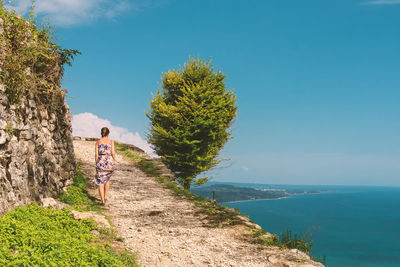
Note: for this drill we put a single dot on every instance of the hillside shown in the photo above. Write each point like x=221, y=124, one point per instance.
x=167, y=229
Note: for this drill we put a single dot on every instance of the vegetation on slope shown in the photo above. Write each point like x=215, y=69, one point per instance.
x=77, y=195
x=36, y=236
x=30, y=60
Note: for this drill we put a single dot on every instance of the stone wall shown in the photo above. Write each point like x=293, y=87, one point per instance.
x=36, y=150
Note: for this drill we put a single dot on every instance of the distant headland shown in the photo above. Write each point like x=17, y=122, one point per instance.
x=229, y=193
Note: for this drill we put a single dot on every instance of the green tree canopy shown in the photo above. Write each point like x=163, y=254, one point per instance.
x=190, y=119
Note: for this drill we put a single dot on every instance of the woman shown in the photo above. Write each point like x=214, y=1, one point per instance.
x=105, y=163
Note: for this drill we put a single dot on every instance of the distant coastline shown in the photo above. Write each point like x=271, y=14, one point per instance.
x=224, y=193
x=249, y=200
x=294, y=194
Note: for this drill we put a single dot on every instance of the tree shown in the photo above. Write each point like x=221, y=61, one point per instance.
x=190, y=119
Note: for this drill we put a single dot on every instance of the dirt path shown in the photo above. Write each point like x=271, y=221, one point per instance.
x=164, y=230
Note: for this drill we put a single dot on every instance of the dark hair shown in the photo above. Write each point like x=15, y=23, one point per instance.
x=104, y=131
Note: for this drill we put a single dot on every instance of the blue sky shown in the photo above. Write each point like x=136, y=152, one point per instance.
x=317, y=81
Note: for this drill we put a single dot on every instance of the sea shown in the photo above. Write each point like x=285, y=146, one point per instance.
x=350, y=225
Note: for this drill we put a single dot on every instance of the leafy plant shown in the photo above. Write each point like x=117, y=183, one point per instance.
x=190, y=118
x=37, y=236
x=259, y=232
x=77, y=195
x=31, y=61
x=271, y=241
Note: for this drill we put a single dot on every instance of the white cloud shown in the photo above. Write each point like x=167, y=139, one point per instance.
x=72, y=12
x=89, y=125
x=382, y=2
x=245, y=168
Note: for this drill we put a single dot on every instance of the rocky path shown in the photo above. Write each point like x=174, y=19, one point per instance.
x=164, y=230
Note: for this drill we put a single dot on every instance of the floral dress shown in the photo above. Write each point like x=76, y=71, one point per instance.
x=105, y=164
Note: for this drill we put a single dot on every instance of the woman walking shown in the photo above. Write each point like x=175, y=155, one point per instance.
x=105, y=163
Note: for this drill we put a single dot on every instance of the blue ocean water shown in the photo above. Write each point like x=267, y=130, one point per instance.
x=352, y=226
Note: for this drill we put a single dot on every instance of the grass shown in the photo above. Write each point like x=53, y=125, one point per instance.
x=300, y=242
x=144, y=164
x=271, y=241
x=217, y=215
x=286, y=240
x=77, y=195
x=259, y=232
x=37, y=236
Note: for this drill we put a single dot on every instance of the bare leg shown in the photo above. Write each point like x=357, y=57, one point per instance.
x=106, y=186
x=101, y=191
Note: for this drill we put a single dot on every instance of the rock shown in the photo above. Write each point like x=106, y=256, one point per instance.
x=232, y=210
x=99, y=219
x=244, y=218
x=267, y=236
x=257, y=226
x=3, y=137
x=11, y=196
x=27, y=135
x=3, y=124
x=31, y=103
x=44, y=115
x=51, y=202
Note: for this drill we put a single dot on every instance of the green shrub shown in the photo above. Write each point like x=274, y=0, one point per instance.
x=259, y=232
x=37, y=236
x=31, y=61
x=148, y=167
x=271, y=241
x=77, y=195
x=300, y=242
x=145, y=165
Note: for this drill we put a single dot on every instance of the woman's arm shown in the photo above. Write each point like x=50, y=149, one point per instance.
x=113, y=151
x=97, y=152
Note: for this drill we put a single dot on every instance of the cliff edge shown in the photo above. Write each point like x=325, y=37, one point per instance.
x=167, y=230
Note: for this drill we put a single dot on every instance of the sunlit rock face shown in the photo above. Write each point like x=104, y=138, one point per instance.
x=36, y=152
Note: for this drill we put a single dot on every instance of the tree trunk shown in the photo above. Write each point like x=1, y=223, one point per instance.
x=186, y=185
